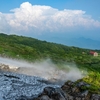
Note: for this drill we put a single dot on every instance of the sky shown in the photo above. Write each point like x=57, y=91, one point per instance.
x=51, y=20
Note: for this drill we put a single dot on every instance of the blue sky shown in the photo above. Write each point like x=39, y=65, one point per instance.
x=51, y=20
x=92, y=7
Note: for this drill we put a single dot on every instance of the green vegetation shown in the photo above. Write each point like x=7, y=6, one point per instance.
x=93, y=79
x=31, y=49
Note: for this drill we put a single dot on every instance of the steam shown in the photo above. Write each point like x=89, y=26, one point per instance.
x=45, y=69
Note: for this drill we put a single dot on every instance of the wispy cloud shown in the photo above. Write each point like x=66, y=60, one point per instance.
x=30, y=18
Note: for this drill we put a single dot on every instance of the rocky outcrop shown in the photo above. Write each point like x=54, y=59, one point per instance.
x=51, y=93
x=8, y=68
x=15, y=86
x=95, y=97
x=69, y=91
x=75, y=91
x=4, y=67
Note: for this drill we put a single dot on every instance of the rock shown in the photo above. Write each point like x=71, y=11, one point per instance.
x=75, y=92
x=55, y=93
x=13, y=68
x=95, y=97
x=44, y=97
x=4, y=67
x=82, y=84
x=11, y=76
x=8, y=68
x=52, y=94
x=84, y=93
x=15, y=86
x=70, y=83
x=25, y=98
x=70, y=97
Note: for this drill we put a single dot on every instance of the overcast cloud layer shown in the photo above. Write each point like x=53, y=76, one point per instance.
x=37, y=19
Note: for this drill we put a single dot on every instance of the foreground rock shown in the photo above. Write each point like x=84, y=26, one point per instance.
x=75, y=91
x=8, y=68
x=21, y=87
x=69, y=91
x=51, y=93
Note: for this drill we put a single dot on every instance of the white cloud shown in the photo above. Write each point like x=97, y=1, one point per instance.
x=38, y=19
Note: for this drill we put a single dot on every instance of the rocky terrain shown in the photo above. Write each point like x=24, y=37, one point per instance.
x=15, y=86
x=69, y=91
x=7, y=67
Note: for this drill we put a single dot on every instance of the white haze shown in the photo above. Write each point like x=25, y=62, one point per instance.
x=45, y=69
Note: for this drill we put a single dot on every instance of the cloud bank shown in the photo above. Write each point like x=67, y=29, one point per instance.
x=37, y=19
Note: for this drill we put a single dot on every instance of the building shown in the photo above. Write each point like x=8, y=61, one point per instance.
x=93, y=53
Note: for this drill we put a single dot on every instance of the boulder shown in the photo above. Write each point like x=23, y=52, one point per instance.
x=51, y=93
x=8, y=68
x=95, y=97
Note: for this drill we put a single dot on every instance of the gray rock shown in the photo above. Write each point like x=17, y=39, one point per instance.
x=84, y=93
x=14, y=86
x=51, y=93
x=82, y=84
x=70, y=97
x=45, y=97
x=95, y=97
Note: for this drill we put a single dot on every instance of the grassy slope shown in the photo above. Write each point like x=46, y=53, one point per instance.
x=31, y=49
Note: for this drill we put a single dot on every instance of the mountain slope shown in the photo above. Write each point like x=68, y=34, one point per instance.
x=30, y=46
x=31, y=49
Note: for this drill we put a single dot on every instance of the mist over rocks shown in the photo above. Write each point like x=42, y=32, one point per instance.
x=30, y=79
x=41, y=80
x=44, y=68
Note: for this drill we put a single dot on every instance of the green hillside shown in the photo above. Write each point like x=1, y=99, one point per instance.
x=30, y=49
